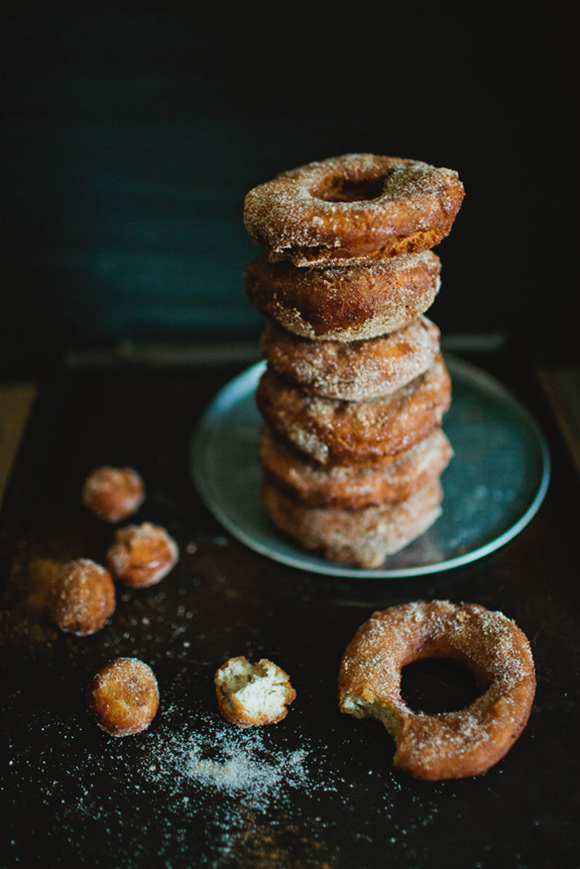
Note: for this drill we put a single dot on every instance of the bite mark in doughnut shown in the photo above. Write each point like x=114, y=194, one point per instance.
x=123, y=697
x=346, y=487
x=344, y=303
x=354, y=370
x=253, y=694
x=356, y=207
x=363, y=433
x=446, y=745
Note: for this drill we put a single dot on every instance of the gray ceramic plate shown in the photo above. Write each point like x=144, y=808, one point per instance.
x=493, y=486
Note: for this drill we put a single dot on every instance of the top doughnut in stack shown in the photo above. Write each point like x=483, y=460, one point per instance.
x=355, y=389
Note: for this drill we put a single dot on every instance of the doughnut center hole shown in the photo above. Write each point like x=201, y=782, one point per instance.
x=351, y=190
x=434, y=685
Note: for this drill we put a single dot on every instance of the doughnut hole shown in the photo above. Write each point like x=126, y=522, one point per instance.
x=113, y=494
x=82, y=597
x=123, y=697
x=345, y=189
x=435, y=685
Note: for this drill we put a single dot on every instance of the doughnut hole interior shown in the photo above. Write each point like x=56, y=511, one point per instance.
x=350, y=189
x=434, y=685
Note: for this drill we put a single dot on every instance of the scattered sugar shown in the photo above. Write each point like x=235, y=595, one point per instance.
x=236, y=763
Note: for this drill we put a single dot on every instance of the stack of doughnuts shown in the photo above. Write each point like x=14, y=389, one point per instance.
x=355, y=387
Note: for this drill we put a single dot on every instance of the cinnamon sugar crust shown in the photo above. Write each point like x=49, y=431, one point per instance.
x=113, y=494
x=356, y=207
x=123, y=697
x=349, y=487
x=363, y=433
x=451, y=744
x=82, y=597
x=361, y=538
x=344, y=303
x=354, y=370
x=142, y=555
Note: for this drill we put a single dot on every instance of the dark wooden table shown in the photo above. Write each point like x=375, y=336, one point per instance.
x=316, y=790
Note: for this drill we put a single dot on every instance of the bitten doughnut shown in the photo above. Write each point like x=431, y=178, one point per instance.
x=356, y=207
x=142, y=555
x=353, y=488
x=344, y=303
x=448, y=744
x=251, y=695
x=113, y=494
x=360, y=538
x=354, y=370
x=82, y=597
x=123, y=697
x=363, y=433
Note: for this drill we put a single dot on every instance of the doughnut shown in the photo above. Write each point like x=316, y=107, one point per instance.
x=354, y=370
x=253, y=694
x=142, y=555
x=123, y=697
x=356, y=207
x=353, y=488
x=113, y=494
x=344, y=303
x=362, y=433
x=360, y=538
x=82, y=597
x=446, y=745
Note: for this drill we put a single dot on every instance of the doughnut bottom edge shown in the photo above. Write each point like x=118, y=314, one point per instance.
x=361, y=538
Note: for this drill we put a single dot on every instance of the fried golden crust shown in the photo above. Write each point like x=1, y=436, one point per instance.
x=344, y=303
x=356, y=207
x=82, y=597
x=353, y=488
x=450, y=744
x=142, y=555
x=113, y=494
x=364, y=433
x=123, y=697
x=362, y=538
x=354, y=370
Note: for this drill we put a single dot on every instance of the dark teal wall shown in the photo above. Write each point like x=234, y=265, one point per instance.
x=131, y=132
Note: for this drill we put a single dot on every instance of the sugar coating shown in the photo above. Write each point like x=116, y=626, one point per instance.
x=123, y=697
x=113, y=493
x=356, y=432
x=356, y=205
x=142, y=555
x=357, y=370
x=452, y=744
x=82, y=597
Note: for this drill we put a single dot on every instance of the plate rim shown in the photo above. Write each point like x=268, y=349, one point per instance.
x=241, y=386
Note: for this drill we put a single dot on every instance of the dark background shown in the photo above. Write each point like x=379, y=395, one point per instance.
x=131, y=132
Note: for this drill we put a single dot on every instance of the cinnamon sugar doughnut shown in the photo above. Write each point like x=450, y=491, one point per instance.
x=353, y=488
x=82, y=597
x=354, y=370
x=361, y=538
x=363, y=433
x=113, y=494
x=356, y=207
x=123, y=697
x=449, y=744
x=142, y=555
x=348, y=302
